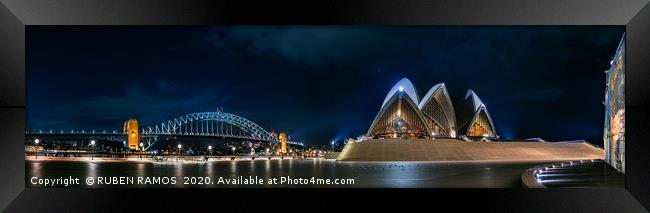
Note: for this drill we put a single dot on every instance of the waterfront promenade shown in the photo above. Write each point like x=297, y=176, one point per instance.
x=453, y=150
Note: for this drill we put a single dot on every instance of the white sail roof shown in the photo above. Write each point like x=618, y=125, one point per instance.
x=476, y=101
x=479, y=106
x=403, y=85
x=430, y=93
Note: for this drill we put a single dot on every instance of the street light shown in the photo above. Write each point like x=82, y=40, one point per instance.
x=210, y=150
x=233, y=150
x=142, y=147
x=92, y=143
x=36, y=151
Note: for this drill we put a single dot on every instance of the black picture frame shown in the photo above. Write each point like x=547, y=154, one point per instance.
x=16, y=14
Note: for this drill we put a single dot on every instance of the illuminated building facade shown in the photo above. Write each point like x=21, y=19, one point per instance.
x=131, y=129
x=403, y=115
x=614, y=131
x=439, y=112
x=399, y=116
x=475, y=118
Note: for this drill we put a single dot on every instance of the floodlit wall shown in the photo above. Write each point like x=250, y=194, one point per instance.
x=614, y=132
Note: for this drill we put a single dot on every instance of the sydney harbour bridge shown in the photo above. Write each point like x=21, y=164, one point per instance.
x=217, y=125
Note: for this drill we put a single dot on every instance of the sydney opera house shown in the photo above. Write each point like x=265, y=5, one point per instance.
x=408, y=128
x=404, y=115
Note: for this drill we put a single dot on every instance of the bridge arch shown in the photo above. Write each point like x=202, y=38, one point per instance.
x=210, y=124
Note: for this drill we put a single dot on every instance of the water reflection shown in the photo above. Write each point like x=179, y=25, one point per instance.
x=233, y=169
x=92, y=169
x=36, y=169
x=140, y=170
x=267, y=168
x=179, y=170
x=385, y=174
x=209, y=170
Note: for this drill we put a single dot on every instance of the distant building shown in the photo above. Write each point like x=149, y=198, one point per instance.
x=403, y=115
x=614, y=132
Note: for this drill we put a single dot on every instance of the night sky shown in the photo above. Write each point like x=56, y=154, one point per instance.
x=317, y=84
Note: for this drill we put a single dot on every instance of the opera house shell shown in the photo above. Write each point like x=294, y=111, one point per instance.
x=403, y=115
x=476, y=118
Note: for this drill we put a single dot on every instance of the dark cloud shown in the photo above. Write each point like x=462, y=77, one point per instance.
x=310, y=45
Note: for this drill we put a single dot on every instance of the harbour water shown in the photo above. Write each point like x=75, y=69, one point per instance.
x=353, y=174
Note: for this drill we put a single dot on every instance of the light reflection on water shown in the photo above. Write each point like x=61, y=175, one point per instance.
x=233, y=168
x=371, y=174
x=209, y=171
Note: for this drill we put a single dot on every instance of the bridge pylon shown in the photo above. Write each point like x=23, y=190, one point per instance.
x=283, y=140
x=133, y=138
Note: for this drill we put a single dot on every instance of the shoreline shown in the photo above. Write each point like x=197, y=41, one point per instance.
x=154, y=160
x=221, y=159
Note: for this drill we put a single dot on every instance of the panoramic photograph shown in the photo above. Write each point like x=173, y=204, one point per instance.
x=325, y=106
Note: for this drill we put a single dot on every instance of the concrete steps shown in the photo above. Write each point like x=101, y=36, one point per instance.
x=454, y=150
